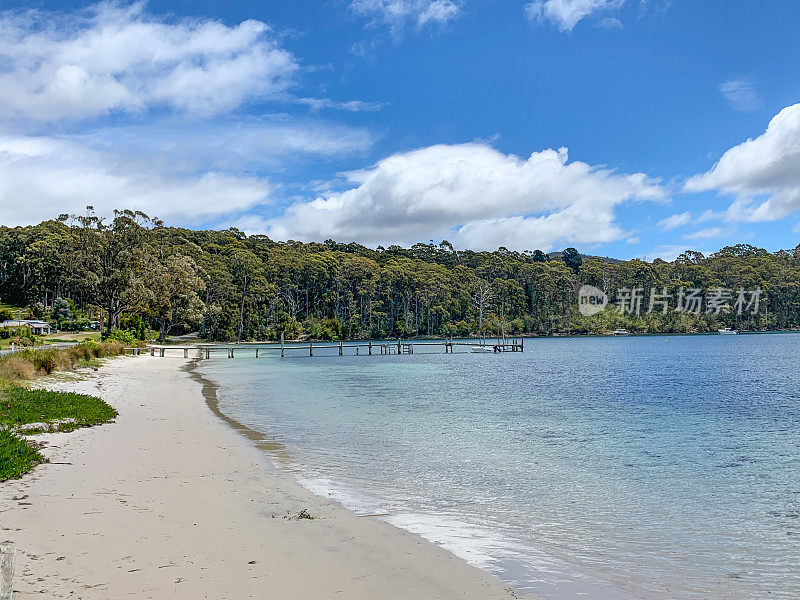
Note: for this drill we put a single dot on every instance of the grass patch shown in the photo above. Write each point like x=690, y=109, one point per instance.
x=20, y=406
x=26, y=364
x=25, y=411
x=16, y=456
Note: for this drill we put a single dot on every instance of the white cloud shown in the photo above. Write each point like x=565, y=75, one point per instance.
x=474, y=196
x=710, y=215
x=396, y=14
x=187, y=173
x=763, y=173
x=348, y=105
x=675, y=221
x=41, y=177
x=741, y=94
x=611, y=23
x=118, y=58
x=704, y=234
x=230, y=144
x=566, y=14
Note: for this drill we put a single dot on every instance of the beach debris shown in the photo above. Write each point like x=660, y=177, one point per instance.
x=303, y=514
x=6, y=572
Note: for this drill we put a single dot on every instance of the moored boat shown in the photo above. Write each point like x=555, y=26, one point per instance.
x=621, y=333
x=727, y=331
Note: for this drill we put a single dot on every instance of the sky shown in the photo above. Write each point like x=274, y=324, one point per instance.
x=625, y=128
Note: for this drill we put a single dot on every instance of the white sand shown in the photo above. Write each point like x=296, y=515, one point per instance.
x=169, y=501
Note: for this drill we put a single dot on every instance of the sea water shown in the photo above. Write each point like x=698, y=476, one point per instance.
x=641, y=467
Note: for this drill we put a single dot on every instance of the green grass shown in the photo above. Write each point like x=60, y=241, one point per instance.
x=19, y=406
x=16, y=456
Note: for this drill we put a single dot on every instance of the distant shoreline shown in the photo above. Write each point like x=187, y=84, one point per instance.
x=488, y=338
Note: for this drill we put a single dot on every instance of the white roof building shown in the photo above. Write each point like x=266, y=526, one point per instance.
x=36, y=327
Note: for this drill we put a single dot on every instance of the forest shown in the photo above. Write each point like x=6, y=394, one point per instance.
x=133, y=273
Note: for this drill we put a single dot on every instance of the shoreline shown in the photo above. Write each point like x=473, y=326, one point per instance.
x=173, y=498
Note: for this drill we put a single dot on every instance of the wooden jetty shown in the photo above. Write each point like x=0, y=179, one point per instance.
x=367, y=348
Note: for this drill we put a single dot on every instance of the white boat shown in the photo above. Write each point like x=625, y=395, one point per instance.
x=727, y=331
x=482, y=349
x=621, y=333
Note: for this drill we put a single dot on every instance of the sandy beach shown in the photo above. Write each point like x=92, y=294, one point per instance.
x=170, y=501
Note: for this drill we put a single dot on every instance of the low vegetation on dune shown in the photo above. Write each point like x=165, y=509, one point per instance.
x=51, y=410
x=28, y=363
x=25, y=411
x=17, y=457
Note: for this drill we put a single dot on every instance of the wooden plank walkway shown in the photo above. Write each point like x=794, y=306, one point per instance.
x=367, y=348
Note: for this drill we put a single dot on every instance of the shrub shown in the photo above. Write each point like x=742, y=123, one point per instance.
x=12, y=367
x=49, y=361
x=112, y=348
x=126, y=337
x=25, y=364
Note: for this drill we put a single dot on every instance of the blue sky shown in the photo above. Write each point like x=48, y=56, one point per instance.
x=624, y=128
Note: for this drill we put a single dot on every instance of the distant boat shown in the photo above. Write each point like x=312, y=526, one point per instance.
x=727, y=331
x=621, y=333
x=482, y=349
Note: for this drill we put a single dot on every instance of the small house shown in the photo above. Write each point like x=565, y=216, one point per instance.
x=36, y=327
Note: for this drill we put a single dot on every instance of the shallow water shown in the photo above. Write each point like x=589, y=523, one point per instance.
x=641, y=467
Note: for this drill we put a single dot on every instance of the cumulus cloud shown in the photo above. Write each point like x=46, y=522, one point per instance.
x=566, y=14
x=396, y=14
x=474, y=196
x=675, y=221
x=741, y=94
x=41, y=177
x=763, y=173
x=186, y=173
x=112, y=58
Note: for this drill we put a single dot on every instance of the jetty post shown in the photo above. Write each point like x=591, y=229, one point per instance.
x=341, y=348
x=282, y=344
x=370, y=347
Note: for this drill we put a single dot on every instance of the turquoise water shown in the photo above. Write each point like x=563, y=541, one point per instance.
x=641, y=467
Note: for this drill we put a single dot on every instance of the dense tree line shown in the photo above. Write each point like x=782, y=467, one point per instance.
x=133, y=271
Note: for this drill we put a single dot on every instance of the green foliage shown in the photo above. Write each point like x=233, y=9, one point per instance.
x=141, y=276
x=573, y=259
x=58, y=411
x=62, y=310
x=120, y=335
x=19, y=406
x=16, y=456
